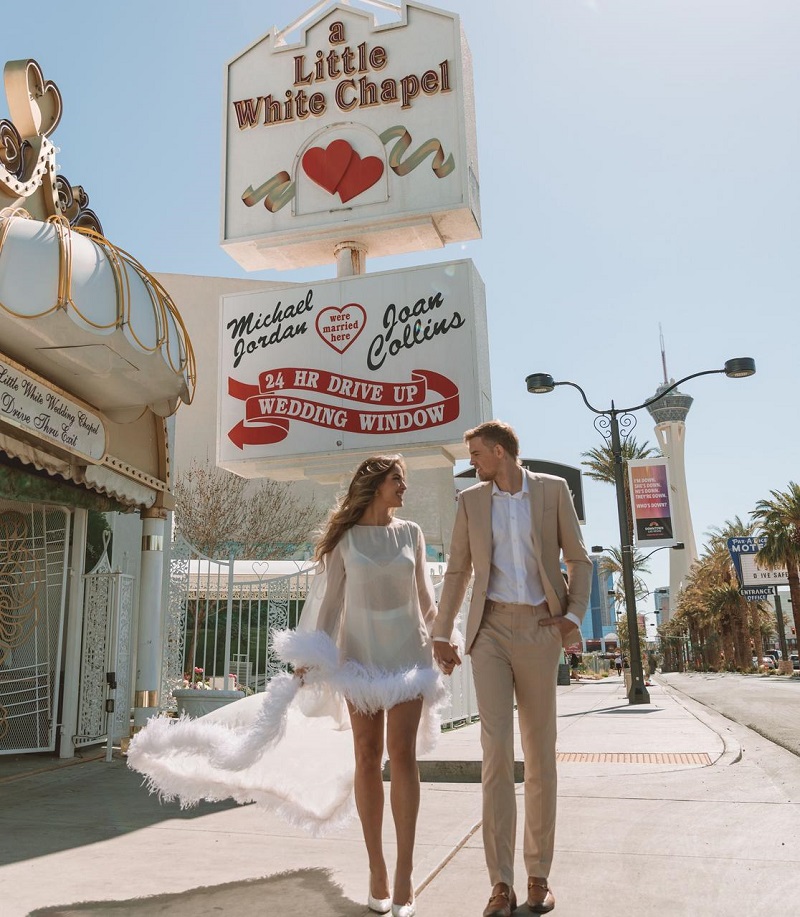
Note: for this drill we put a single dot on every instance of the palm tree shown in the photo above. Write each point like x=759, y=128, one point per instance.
x=599, y=464
x=718, y=535
x=612, y=563
x=779, y=520
x=722, y=625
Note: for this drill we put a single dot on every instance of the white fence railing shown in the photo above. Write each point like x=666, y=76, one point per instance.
x=222, y=614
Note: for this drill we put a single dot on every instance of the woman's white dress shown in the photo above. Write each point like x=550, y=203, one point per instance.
x=364, y=637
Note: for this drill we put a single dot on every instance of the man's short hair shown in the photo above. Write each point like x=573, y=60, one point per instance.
x=496, y=433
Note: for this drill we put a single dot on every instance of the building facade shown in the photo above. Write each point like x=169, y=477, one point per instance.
x=94, y=360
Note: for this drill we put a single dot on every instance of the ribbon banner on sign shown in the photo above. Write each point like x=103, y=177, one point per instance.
x=339, y=169
x=269, y=409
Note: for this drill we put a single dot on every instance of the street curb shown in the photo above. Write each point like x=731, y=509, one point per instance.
x=731, y=749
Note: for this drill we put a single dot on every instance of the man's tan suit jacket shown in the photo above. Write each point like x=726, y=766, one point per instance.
x=555, y=531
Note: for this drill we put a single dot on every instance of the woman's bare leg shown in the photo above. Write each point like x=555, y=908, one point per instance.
x=403, y=721
x=368, y=746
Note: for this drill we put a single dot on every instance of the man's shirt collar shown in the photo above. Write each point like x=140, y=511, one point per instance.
x=496, y=492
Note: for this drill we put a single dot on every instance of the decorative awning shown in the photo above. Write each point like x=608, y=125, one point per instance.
x=93, y=352
x=120, y=493
x=74, y=308
x=88, y=317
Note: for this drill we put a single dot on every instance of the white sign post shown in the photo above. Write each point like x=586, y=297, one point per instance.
x=384, y=362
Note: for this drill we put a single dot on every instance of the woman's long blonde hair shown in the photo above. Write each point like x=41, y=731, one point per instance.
x=369, y=476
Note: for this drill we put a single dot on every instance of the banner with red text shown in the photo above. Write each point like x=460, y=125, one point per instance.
x=381, y=362
x=650, y=502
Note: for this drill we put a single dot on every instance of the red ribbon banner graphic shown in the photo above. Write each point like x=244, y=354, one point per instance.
x=269, y=410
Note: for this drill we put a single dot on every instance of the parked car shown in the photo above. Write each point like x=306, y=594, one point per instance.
x=794, y=658
x=768, y=662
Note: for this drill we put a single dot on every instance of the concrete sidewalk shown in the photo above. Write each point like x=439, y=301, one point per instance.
x=665, y=808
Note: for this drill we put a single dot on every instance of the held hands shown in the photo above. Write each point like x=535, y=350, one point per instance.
x=446, y=656
x=566, y=627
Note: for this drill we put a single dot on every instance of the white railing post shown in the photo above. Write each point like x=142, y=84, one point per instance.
x=229, y=624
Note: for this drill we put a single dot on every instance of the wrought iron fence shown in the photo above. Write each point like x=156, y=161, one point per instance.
x=221, y=615
x=34, y=542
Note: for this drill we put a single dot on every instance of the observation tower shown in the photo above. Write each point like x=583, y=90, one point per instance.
x=669, y=414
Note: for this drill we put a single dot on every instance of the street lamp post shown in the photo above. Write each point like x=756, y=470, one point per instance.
x=609, y=423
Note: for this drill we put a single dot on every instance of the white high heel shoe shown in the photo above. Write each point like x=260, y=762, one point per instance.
x=404, y=910
x=379, y=905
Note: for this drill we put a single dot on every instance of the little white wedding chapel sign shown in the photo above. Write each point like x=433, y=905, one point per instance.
x=35, y=407
x=357, y=131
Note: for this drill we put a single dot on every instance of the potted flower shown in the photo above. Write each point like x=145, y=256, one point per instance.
x=197, y=696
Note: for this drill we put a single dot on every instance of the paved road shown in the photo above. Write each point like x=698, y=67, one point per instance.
x=769, y=705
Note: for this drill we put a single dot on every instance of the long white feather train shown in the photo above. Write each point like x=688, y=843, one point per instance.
x=289, y=748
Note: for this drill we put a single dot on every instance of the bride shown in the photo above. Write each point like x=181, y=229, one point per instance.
x=362, y=657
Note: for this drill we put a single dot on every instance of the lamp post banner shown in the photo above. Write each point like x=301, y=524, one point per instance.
x=650, y=502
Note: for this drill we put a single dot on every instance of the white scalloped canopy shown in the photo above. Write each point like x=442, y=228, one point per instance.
x=89, y=318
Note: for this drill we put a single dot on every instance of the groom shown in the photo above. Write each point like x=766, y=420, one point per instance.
x=511, y=531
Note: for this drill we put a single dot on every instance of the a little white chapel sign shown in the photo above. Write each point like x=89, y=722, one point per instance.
x=358, y=131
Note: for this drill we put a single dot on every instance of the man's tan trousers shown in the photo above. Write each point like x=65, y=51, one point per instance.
x=513, y=655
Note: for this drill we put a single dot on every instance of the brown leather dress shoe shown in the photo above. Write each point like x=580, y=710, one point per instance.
x=503, y=904
x=540, y=898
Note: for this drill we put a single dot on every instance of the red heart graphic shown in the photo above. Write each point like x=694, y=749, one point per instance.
x=338, y=168
x=359, y=175
x=340, y=327
x=327, y=166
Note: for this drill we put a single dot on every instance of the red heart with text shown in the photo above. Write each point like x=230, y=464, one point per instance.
x=339, y=169
x=340, y=327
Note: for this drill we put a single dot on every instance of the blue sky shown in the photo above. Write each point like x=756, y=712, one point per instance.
x=638, y=165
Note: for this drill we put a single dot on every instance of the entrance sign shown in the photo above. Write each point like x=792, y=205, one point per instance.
x=650, y=502
x=358, y=132
x=386, y=362
x=33, y=406
x=757, y=593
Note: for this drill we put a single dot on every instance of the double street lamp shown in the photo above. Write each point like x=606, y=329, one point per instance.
x=609, y=422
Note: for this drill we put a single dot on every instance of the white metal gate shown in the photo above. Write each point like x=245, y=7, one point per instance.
x=221, y=616
x=34, y=541
x=105, y=655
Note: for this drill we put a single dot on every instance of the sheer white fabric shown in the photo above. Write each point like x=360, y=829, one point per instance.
x=364, y=638
x=379, y=598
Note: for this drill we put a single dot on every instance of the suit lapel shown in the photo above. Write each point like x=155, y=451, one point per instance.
x=536, y=497
x=484, y=519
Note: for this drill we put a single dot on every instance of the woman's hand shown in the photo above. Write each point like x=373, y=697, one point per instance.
x=446, y=656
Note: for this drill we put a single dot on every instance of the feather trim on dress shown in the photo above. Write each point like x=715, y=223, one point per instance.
x=266, y=748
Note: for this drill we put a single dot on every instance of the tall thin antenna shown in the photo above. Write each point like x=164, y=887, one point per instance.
x=663, y=353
